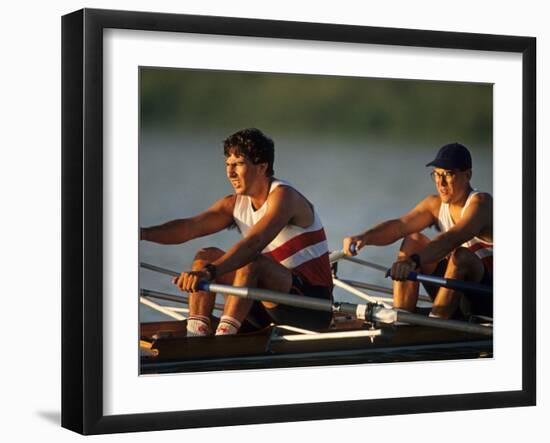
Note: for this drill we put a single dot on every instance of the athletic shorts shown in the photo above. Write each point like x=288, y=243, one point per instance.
x=260, y=316
x=475, y=303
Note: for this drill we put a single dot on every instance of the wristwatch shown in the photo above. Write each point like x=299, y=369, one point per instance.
x=416, y=259
x=211, y=269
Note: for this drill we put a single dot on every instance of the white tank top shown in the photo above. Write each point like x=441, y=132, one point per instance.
x=482, y=248
x=303, y=250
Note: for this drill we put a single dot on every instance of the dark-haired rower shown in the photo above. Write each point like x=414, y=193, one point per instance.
x=284, y=247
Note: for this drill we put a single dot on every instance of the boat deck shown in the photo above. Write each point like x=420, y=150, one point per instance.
x=269, y=348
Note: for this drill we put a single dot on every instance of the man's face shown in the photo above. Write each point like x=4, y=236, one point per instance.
x=451, y=183
x=243, y=175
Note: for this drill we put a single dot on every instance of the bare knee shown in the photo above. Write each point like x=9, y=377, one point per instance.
x=462, y=257
x=208, y=254
x=465, y=262
x=413, y=243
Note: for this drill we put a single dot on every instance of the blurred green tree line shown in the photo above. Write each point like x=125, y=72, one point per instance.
x=323, y=106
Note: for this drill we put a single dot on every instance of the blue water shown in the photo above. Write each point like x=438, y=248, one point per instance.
x=353, y=185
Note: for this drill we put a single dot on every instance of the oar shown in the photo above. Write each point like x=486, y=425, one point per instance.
x=161, y=309
x=371, y=311
x=302, y=301
x=338, y=255
x=341, y=255
x=367, y=297
x=184, y=299
x=159, y=269
x=366, y=263
x=450, y=283
x=381, y=289
x=181, y=299
x=170, y=297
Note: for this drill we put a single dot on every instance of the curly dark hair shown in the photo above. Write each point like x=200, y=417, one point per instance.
x=252, y=144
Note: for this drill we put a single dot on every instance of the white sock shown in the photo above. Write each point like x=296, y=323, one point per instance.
x=198, y=326
x=434, y=315
x=228, y=326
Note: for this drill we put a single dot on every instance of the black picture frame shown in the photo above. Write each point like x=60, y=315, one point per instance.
x=82, y=218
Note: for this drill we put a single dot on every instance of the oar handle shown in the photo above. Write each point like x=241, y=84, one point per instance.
x=338, y=255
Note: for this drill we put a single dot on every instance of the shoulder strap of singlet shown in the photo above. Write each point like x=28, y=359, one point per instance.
x=468, y=200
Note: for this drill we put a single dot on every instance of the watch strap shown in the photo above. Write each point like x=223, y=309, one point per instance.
x=416, y=259
x=211, y=269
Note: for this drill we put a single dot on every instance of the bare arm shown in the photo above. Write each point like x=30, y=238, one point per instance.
x=284, y=204
x=388, y=232
x=214, y=219
x=477, y=217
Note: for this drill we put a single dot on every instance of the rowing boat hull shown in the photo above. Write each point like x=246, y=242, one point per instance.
x=268, y=348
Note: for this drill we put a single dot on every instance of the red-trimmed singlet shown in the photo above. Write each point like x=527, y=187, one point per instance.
x=482, y=248
x=302, y=250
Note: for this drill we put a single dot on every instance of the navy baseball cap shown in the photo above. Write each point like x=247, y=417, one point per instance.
x=452, y=156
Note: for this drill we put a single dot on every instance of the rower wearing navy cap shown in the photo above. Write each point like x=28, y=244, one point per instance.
x=463, y=250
